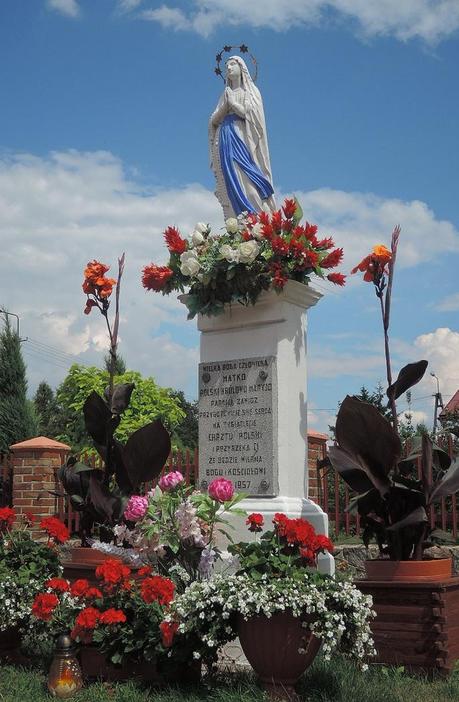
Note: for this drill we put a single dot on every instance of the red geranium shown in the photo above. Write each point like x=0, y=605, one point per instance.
x=88, y=618
x=7, y=517
x=79, y=588
x=157, y=589
x=113, y=571
x=112, y=616
x=44, y=605
x=155, y=277
x=174, y=241
x=322, y=543
x=144, y=571
x=55, y=529
x=255, y=522
x=58, y=584
x=93, y=593
x=168, y=631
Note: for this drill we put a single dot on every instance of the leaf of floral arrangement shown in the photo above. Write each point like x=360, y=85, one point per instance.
x=408, y=376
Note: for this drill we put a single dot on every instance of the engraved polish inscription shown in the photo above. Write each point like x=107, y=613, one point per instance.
x=238, y=423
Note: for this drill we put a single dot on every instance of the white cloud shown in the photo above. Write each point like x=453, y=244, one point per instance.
x=69, y=8
x=441, y=349
x=429, y=20
x=128, y=5
x=358, y=221
x=56, y=213
x=449, y=304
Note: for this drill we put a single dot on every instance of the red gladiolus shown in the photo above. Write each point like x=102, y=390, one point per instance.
x=155, y=277
x=7, y=517
x=112, y=616
x=112, y=571
x=336, y=278
x=57, y=584
x=168, y=631
x=157, y=589
x=44, y=605
x=289, y=208
x=55, y=529
x=255, y=522
x=333, y=259
x=174, y=241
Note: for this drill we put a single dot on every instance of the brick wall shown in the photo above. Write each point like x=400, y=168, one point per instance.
x=317, y=450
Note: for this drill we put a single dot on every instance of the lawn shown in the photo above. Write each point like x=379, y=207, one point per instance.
x=337, y=681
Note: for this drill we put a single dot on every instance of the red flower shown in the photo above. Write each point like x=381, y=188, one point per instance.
x=279, y=246
x=336, y=278
x=375, y=264
x=88, y=618
x=79, y=588
x=333, y=259
x=93, y=593
x=30, y=518
x=289, y=208
x=44, y=605
x=263, y=217
x=246, y=235
x=58, y=584
x=157, y=589
x=279, y=521
x=7, y=517
x=55, y=529
x=95, y=282
x=112, y=571
x=144, y=571
x=310, y=231
x=174, y=241
x=155, y=277
x=89, y=305
x=255, y=521
x=112, y=616
x=325, y=243
x=322, y=543
x=267, y=231
x=308, y=554
x=168, y=631
x=276, y=220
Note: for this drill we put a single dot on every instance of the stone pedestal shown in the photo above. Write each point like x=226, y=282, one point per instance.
x=273, y=334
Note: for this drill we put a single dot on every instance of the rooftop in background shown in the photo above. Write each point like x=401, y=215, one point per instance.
x=452, y=405
x=40, y=442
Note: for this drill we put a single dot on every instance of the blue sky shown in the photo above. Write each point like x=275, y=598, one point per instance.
x=103, y=143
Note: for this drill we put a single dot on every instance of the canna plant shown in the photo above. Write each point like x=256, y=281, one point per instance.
x=101, y=494
x=393, y=496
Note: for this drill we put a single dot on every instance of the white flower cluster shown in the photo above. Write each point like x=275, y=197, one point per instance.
x=16, y=601
x=188, y=524
x=337, y=612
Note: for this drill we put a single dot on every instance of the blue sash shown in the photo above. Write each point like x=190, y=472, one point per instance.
x=233, y=150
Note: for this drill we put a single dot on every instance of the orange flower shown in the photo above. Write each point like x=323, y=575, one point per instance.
x=95, y=282
x=374, y=265
x=382, y=253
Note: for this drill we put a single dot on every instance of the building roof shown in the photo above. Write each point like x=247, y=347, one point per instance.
x=40, y=442
x=452, y=405
x=317, y=435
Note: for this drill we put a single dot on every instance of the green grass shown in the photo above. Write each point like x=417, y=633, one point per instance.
x=337, y=681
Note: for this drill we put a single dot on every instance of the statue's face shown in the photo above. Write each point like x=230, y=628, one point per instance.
x=233, y=69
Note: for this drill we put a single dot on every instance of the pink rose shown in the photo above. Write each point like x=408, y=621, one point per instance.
x=221, y=489
x=136, y=507
x=169, y=481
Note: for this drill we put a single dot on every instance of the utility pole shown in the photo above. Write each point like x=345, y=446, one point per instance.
x=438, y=404
x=11, y=314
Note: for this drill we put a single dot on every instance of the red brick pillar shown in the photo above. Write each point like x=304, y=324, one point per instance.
x=317, y=450
x=35, y=462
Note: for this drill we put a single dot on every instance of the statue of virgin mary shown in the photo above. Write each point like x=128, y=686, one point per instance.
x=238, y=145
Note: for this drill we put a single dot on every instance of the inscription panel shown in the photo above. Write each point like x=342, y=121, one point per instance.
x=238, y=424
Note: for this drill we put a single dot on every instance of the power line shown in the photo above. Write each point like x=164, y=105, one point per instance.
x=49, y=359
x=52, y=349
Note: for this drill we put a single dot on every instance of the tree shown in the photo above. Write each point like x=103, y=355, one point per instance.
x=47, y=411
x=186, y=433
x=16, y=421
x=149, y=401
x=119, y=364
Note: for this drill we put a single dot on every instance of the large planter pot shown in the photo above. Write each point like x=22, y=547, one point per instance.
x=95, y=665
x=10, y=641
x=82, y=563
x=417, y=614
x=272, y=645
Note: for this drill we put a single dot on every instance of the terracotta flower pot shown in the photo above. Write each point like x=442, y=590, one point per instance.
x=95, y=665
x=82, y=563
x=272, y=646
x=407, y=571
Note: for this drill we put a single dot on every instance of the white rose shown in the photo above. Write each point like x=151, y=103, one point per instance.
x=257, y=230
x=197, y=238
x=232, y=225
x=231, y=255
x=201, y=227
x=248, y=251
x=190, y=264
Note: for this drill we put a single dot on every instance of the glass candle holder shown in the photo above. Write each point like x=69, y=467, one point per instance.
x=64, y=677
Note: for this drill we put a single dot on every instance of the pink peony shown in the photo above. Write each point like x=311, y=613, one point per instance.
x=221, y=489
x=135, y=508
x=169, y=481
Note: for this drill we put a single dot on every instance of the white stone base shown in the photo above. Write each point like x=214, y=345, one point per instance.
x=294, y=508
